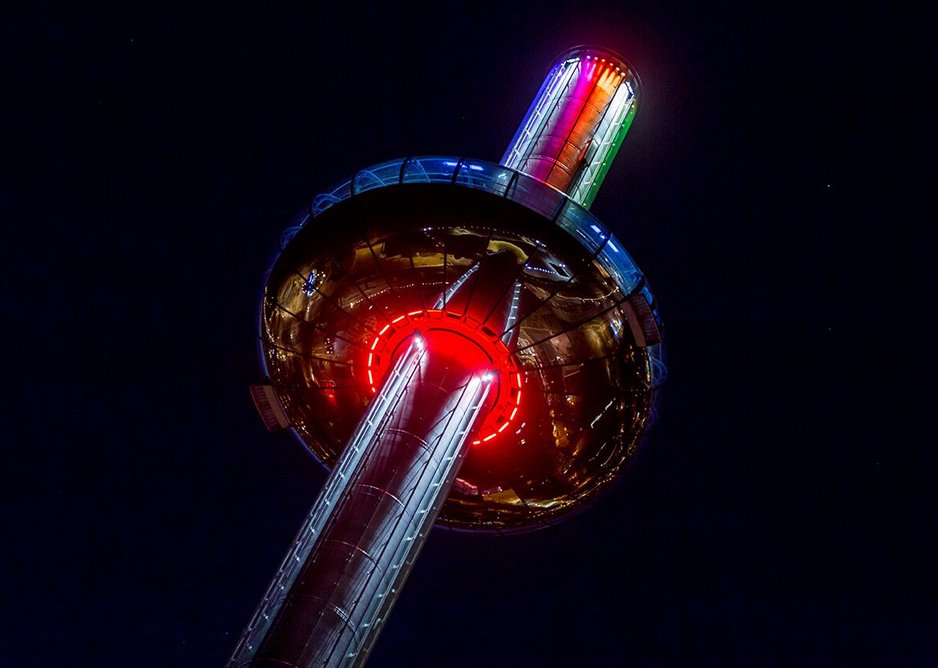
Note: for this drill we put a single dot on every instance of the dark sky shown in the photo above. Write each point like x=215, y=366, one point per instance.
x=773, y=188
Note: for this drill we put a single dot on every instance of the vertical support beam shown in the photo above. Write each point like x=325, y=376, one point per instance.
x=337, y=585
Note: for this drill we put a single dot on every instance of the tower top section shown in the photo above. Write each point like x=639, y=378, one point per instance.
x=577, y=122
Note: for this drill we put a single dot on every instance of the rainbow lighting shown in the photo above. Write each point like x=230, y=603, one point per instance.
x=577, y=122
x=462, y=344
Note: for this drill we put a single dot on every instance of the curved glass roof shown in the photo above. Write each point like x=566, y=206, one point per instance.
x=516, y=186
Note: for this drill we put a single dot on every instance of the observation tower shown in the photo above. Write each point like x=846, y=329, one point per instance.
x=460, y=342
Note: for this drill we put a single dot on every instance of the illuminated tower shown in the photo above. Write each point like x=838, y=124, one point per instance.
x=459, y=342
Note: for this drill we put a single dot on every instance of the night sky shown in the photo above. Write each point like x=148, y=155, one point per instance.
x=773, y=188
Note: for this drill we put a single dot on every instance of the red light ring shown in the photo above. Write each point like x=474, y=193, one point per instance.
x=509, y=378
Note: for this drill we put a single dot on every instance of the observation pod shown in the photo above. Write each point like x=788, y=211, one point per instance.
x=460, y=342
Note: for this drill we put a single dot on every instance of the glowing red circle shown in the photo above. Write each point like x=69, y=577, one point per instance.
x=508, y=379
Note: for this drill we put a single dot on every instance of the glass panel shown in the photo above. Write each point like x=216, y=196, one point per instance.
x=378, y=176
x=484, y=176
x=287, y=235
x=584, y=227
x=620, y=265
x=657, y=364
x=325, y=200
x=650, y=298
x=430, y=170
x=536, y=196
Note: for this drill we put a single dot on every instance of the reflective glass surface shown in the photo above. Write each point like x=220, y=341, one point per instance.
x=433, y=242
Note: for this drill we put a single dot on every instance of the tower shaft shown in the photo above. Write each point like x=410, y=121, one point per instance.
x=337, y=584
x=576, y=123
x=536, y=298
